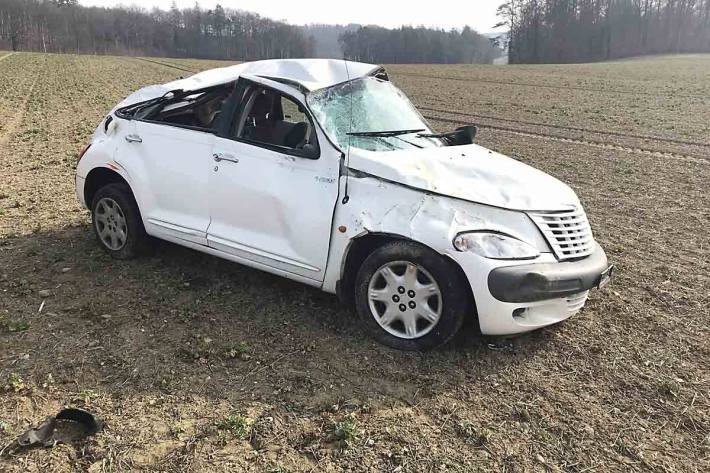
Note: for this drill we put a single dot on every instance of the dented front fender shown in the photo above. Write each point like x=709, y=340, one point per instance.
x=376, y=206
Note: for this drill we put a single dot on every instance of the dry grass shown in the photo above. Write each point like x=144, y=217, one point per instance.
x=199, y=364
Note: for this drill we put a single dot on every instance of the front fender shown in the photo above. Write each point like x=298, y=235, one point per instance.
x=381, y=207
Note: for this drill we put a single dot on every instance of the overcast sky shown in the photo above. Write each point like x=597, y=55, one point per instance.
x=479, y=14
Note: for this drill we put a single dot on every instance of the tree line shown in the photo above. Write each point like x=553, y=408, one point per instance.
x=562, y=31
x=64, y=26
x=417, y=45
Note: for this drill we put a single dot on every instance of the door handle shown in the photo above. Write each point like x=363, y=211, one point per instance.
x=134, y=138
x=225, y=157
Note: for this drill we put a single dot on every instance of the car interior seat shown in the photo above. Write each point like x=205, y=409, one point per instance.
x=296, y=137
x=259, y=123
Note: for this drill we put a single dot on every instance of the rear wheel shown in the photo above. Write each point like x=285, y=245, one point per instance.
x=117, y=222
x=409, y=297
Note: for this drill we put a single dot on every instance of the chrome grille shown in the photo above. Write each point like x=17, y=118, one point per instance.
x=568, y=233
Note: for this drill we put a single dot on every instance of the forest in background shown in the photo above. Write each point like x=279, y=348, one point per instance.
x=562, y=31
x=326, y=38
x=64, y=26
x=418, y=45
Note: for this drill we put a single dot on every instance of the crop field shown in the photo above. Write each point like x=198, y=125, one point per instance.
x=198, y=364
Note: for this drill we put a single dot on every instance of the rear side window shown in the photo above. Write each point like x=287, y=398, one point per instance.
x=199, y=110
x=277, y=121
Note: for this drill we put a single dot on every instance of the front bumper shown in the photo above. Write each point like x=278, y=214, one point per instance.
x=514, y=297
x=540, y=281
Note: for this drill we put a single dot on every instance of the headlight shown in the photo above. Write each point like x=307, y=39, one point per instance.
x=495, y=246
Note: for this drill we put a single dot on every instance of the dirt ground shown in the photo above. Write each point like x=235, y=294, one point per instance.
x=198, y=364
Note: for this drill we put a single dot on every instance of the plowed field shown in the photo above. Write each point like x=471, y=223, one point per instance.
x=198, y=364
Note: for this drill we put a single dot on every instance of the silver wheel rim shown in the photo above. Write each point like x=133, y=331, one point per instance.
x=404, y=299
x=110, y=224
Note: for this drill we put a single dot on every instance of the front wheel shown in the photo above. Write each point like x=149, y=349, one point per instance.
x=409, y=297
x=117, y=222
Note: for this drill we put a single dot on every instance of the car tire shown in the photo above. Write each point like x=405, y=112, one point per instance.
x=409, y=297
x=117, y=222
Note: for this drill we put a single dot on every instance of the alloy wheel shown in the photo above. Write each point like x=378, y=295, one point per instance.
x=404, y=299
x=110, y=224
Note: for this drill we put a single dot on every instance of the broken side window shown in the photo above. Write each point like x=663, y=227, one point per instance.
x=198, y=110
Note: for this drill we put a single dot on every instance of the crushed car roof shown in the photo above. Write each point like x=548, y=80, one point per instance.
x=311, y=74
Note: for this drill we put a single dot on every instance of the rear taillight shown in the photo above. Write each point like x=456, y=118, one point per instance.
x=83, y=151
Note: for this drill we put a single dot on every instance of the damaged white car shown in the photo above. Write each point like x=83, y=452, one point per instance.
x=322, y=171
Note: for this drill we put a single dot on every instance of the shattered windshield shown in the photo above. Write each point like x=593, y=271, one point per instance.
x=383, y=119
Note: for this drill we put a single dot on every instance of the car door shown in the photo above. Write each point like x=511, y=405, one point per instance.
x=170, y=163
x=273, y=188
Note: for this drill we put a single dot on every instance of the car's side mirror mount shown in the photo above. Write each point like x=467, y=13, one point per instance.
x=464, y=135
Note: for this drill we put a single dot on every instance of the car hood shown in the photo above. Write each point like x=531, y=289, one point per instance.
x=468, y=172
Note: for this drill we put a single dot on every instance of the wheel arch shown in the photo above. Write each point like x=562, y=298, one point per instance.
x=98, y=178
x=362, y=246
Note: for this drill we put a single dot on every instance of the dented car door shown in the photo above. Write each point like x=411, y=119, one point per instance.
x=272, y=187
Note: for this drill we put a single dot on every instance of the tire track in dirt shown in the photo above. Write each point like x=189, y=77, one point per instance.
x=593, y=143
x=179, y=68
x=1, y=58
x=13, y=124
x=549, y=86
x=186, y=68
x=572, y=128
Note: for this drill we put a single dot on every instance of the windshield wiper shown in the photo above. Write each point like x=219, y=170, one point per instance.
x=408, y=142
x=385, y=134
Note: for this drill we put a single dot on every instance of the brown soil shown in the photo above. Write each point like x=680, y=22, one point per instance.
x=198, y=364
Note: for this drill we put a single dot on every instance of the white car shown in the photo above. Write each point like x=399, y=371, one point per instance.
x=323, y=172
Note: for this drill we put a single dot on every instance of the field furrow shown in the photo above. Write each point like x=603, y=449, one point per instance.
x=592, y=131
x=606, y=91
x=654, y=149
x=167, y=64
x=664, y=116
